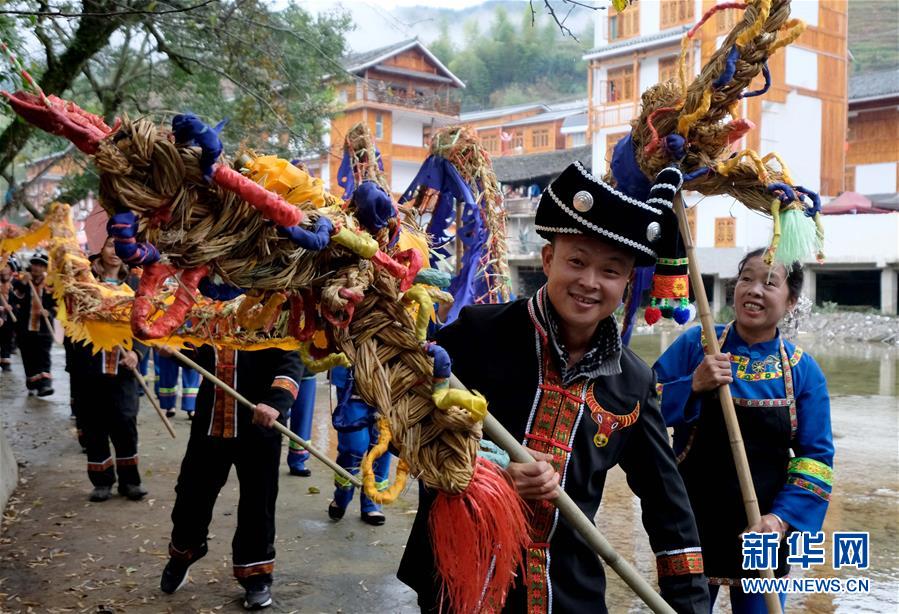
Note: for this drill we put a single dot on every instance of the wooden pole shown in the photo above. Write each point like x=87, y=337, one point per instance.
x=277, y=425
x=153, y=402
x=460, y=247
x=750, y=501
x=573, y=514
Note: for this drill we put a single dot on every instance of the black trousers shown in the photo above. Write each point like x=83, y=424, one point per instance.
x=7, y=341
x=107, y=411
x=35, y=350
x=255, y=454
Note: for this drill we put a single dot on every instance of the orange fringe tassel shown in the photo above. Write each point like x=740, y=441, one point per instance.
x=478, y=539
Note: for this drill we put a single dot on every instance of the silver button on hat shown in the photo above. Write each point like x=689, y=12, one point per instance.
x=583, y=201
x=653, y=232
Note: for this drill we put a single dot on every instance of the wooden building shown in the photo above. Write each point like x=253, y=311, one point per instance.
x=803, y=116
x=872, y=153
x=403, y=92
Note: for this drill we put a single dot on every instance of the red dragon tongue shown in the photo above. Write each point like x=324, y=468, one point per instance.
x=60, y=117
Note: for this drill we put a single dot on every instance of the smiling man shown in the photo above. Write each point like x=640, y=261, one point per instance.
x=554, y=372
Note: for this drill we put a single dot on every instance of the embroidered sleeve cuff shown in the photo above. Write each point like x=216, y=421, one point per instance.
x=679, y=562
x=804, y=468
x=282, y=394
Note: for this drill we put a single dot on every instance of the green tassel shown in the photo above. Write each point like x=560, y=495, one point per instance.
x=798, y=239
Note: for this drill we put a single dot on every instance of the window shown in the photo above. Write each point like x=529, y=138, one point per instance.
x=540, y=138
x=676, y=12
x=725, y=232
x=379, y=125
x=518, y=140
x=625, y=24
x=668, y=68
x=577, y=139
x=620, y=84
x=490, y=143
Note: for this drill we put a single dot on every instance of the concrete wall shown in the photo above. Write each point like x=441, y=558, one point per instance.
x=877, y=178
x=402, y=174
x=9, y=471
x=407, y=131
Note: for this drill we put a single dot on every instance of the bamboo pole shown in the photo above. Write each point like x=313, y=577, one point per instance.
x=277, y=425
x=750, y=501
x=460, y=247
x=573, y=514
x=149, y=394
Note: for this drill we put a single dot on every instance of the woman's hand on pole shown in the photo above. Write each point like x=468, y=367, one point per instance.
x=769, y=523
x=536, y=480
x=713, y=372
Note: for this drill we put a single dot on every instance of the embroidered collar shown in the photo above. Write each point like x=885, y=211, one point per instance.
x=602, y=358
x=736, y=341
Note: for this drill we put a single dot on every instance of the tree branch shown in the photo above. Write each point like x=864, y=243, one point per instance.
x=21, y=13
x=163, y=47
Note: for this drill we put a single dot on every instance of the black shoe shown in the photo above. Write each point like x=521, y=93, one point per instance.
x=303, y=473
x=376, y=519
x=335, y=512
x=45, y=392
x=31, y=393
x=6, y=366
x=101, y=493
x=170, y=413
x=174, y=576
x=258, y=597
x=135, y=492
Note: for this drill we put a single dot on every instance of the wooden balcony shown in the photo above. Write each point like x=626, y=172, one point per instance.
x=616, y=114
x=436, y=101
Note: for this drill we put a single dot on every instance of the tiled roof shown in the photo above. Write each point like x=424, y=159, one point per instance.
x=532, y=167
x=878, y=84
x=355, y=61
x=358, y=62
x=648, y=40
x=500, y=111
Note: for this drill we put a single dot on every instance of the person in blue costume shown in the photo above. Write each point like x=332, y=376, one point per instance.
x=783, y=408
x=167, y=385
x=301, y=424
x=357, y=433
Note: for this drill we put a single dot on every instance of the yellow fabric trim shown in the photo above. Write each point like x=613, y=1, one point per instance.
x=809, y=466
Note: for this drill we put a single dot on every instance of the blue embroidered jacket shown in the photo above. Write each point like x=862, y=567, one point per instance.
x=760, y=385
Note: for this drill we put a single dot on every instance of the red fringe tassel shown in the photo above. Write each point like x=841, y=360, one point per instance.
x=479, y=538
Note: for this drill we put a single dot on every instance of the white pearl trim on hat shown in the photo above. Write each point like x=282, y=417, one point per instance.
x=569, y=231
x=663, y=186
x=598, y=229
x=660, y=201
x=621, y=195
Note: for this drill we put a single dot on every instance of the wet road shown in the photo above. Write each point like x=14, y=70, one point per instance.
x=60, y=553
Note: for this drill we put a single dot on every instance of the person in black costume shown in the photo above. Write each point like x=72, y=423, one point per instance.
x=555, y=374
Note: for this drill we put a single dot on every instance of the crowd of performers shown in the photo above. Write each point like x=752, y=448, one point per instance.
x=556, y=374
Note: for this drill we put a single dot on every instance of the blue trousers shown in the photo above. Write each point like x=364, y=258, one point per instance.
x=351, y=446
x=167, y=383
x=301, y=421
x=744, y=603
